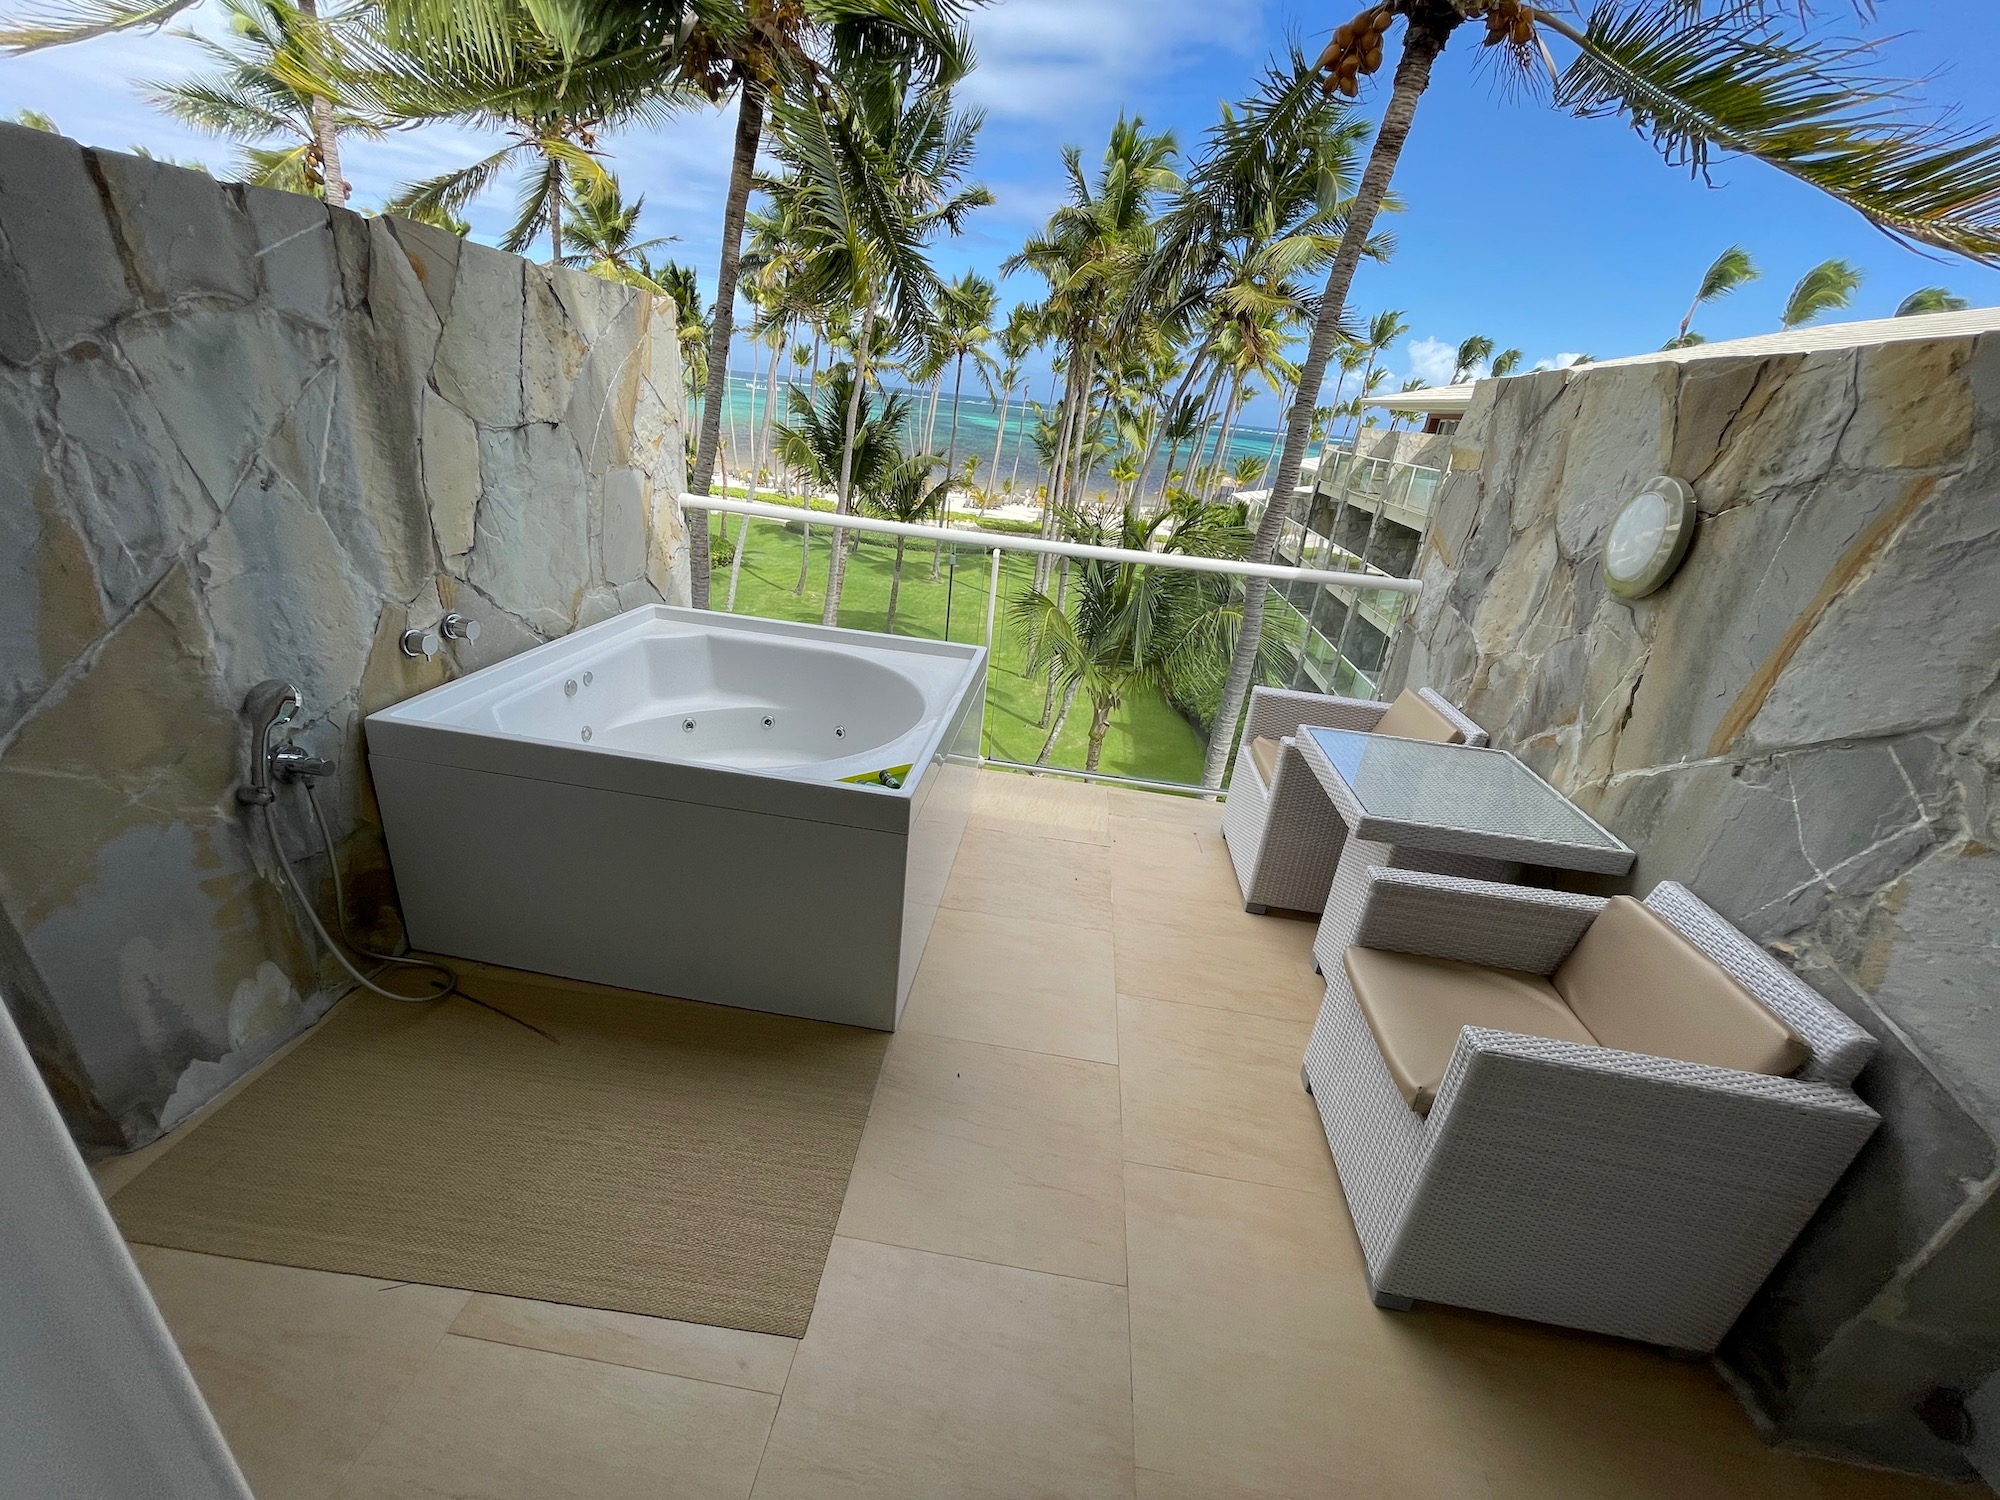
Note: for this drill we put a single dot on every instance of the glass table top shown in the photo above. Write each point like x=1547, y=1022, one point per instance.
x=1455, y=786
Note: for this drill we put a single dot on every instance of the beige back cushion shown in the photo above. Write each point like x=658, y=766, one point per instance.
x=1411, y=718
x=1264, y=753
x=1640, y=986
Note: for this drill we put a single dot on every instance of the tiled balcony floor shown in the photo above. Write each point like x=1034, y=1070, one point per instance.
x=1094, y=1246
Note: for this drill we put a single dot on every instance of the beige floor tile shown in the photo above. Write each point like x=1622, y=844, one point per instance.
x=1257, y=1359
x=1223, y=958
x=1048, y=805
x=1218, y=1091
x=1169, y=871
x=487, y=1421
x=1040, y=986
x=995, y=1154
x=300, y=1367
x=725, y=1356
x=927, y=1376
x=1032, y=877
x=1126, y=804
x=1154, y=1485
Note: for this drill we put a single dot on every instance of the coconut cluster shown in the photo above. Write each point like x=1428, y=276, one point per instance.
x=1356, y=50
x=1509, y=21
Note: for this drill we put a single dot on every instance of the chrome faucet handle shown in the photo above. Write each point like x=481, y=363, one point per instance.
x=421, y=644
x=291, y=762
x=458, y=627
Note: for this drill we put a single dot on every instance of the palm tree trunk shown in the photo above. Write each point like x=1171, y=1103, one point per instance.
x=1229, y=409
x=999, y=438
x=326, y=141
x=836, y=567
x=555, y=212
x=1014, y=470
x=1421, y=44
x=722, y=326
x=1049, y=696
x=1166, y=413
x=1056, y=729
x=1100, y=725
x=1284, y=413
x=895, y=586
x=770, y=408
x=950, y=456
x=1052, y=491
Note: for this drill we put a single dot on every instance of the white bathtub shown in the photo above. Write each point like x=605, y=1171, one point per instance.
x=691, y=804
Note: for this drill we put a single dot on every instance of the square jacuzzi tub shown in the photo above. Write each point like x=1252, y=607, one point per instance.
x=742, y=811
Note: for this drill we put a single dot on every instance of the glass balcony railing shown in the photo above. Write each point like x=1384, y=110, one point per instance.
x=1118, y=720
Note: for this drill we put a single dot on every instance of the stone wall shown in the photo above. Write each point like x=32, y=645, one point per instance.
x=243, y=436
x=1803, y=726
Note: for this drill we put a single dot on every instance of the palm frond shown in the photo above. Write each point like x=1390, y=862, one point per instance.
x=450, y=192
x=1737, y=80
x=1730, y=270
x=58, y=25
x=1827, y=287
x=1930, y=299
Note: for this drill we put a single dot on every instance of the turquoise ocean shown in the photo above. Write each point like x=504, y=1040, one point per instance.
x=978, y=433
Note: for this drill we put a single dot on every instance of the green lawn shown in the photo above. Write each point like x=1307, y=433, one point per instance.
x=1147, y=739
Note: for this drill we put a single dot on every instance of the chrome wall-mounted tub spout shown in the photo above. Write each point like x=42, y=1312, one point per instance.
x=271, y=707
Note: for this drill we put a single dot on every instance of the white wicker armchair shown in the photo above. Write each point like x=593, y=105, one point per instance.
x=1608, y=1190
x=1283, y=835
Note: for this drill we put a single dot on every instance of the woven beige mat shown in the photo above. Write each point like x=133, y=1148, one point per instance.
x=657, y=1156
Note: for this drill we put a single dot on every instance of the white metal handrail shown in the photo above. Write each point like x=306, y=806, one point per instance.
x=1002, y=542
x=995, y=543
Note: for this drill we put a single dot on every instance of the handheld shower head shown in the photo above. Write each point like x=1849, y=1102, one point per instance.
x=271, y=705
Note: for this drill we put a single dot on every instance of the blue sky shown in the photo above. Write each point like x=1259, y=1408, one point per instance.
x=1544, y=232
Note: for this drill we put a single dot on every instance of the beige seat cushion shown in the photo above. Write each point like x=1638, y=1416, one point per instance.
x=1640, y=986
x=1417, y=1006
x=1411, y=718
x=1264, y=753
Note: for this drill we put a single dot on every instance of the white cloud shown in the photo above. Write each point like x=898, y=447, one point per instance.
x=1057, y=60
x=1560, y=362
x=1432, y=360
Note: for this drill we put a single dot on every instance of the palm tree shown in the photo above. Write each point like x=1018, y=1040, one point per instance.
x=836, y=437
x=1930, y=299
x=1748, y=78
x=297, y=24
x=966, y=310
x=965, y=313
x=1089, y=253
x=1728, y=271
x=877, y=169
x=1473, y=353
x=1016, y=340
x=1828, y=287
x=907, y=493
x=602, y=233
x=1383, y=330
x=759, y=50
x=283, y=129
x=532, y=91
x=1126, y=625
x=1506, y=362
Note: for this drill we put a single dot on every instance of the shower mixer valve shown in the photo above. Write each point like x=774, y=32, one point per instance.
x=272, y=707
x=419, y=642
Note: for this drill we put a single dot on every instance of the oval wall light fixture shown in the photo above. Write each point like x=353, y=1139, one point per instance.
x=1648, y=538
